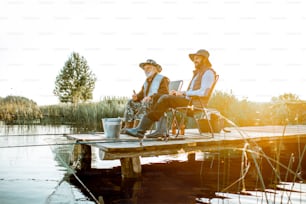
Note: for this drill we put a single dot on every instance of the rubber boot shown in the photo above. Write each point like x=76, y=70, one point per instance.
x=132, y=130
x=127, y=125
x=141, y=129
x=160, y=129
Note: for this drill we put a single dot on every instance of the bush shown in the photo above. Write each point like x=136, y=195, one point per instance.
x=18, y=109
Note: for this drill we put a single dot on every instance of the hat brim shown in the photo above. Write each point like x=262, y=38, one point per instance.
x=159, y=68
x=191, y=56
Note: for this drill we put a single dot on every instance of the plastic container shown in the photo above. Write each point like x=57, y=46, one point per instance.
x=112, y=127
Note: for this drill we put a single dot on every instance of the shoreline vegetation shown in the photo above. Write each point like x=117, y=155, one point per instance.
x=285, y=109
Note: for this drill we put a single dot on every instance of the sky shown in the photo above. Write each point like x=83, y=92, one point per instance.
x=258, y=47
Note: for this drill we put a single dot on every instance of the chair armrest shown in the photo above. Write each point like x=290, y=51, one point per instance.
x=198, y=97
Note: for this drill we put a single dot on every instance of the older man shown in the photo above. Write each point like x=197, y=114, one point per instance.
x=154, y=86
x=202, y=80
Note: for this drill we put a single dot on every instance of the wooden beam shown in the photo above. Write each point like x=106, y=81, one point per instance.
x=130, y=167
x=191, y=156
x=81, y=157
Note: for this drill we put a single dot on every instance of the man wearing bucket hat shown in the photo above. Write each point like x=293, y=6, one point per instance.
x=203, y=78
x=154, y=86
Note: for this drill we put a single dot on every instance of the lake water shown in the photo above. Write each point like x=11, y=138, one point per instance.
x=34, y=168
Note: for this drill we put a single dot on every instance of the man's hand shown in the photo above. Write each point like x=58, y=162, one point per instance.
x=177, y=93
x=172, y=92
x=146, y=99
x=134, y=97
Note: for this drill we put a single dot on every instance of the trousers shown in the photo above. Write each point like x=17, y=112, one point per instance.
x=164, y=103
x=136, y=110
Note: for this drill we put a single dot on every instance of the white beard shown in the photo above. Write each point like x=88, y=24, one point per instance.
x=148, y=74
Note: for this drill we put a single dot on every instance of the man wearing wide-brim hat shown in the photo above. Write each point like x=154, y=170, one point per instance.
x=154, y=86
x=203, y=78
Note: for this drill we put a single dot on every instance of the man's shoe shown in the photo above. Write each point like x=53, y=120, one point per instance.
x=160, y=129
x=154, y=134
x=141, y=129
x=131, y=131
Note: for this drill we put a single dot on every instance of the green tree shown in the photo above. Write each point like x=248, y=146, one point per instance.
x=75, y=82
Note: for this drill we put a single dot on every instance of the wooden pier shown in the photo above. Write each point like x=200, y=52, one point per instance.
x=129, y=150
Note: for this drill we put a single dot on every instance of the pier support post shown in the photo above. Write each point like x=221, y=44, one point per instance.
x=81, y=157
x=130, y=167
x=191, y=156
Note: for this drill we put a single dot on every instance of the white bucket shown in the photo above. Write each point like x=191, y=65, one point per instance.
x=112, y=127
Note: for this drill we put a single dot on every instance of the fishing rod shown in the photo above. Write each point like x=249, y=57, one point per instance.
x=73, y=143
x=103, y=141
x=50, y=134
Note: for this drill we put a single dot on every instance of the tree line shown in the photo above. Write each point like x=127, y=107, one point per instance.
x=75, y=83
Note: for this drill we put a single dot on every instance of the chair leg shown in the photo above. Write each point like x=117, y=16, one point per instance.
x=173, y=127
x=175, y=124
x=178, y=125
x=172, y=124
x=209, y=123
x=182, y=129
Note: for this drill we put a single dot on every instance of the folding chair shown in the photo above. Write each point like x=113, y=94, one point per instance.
x=176, y=85
x=197, y=105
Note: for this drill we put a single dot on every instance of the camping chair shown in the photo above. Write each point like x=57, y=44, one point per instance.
x=176, y=85
x=191, y=110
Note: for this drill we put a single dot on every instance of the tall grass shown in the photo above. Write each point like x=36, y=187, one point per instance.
x=86, y=116
x=20, y=110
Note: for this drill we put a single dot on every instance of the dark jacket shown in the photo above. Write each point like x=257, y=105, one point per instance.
x=163, y=88
x=200, y=100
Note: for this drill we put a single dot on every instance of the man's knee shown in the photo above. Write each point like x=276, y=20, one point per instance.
x=164, y=99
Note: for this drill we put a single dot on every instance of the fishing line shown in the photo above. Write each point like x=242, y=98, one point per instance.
x=77, y=178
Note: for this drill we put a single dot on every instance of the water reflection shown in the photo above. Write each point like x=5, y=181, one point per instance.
x=29, y=172
x=34, y=170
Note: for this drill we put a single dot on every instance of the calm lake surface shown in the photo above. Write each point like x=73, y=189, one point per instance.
x=34, y=168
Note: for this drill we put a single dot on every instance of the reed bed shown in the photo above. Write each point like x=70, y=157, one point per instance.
x=86, y=116
x=20, y=110
x=268, y=167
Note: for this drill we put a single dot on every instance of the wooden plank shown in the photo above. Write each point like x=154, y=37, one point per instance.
x=128, y=147
x=149, y=149
x=86, y=137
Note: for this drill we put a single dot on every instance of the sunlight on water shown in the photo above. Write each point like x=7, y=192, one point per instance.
x=290, y=193
x=256, y=197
